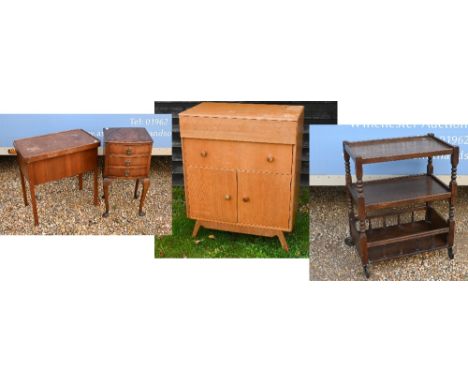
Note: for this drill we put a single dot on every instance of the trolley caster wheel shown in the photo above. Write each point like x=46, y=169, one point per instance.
x=366, y=271
x=349, y=241
x=141, y=213
x=451, y=254
x=105, y=214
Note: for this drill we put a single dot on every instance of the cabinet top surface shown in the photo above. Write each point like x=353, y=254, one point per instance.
x=127, y=135
x=397, y=148
x=55, y=144
x=245, y=111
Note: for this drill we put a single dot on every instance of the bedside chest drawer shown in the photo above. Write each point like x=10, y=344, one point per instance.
x=263, y=157
x=127, y=161
x=127, y=172
x=126, y=149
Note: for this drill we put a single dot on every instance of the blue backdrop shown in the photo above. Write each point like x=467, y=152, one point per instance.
x=326, y=148
x=15, y=126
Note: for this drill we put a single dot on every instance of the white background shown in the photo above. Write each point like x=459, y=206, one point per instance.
x=102, y=309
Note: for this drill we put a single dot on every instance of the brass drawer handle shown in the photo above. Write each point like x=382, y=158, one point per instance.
x=204, y=154
x=227, y=197
x=128, y=162
x=246, y=199
x=127, y=172
x=270, y=158
x=129, y=151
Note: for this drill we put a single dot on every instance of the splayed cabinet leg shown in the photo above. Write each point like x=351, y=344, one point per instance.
x=196, y=228
x=282, y=240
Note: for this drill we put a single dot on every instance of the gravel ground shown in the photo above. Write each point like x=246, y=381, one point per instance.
x=65, y=210
x=331, y=259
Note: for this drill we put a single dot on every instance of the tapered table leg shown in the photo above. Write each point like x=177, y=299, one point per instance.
x=33, y=203
x=80, y=181
x=146, y=184
x=96, y=192
x=23, y=187
x=105, y=184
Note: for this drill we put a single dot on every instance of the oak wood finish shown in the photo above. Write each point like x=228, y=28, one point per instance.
x=55, y=156
x=242, y=167
x=400, y=198
x=127, y=156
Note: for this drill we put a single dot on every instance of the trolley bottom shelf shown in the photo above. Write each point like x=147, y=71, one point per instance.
x=408, y=248
x=405, y=239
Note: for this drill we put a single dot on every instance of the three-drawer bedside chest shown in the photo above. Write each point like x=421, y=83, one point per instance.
x=127, y=156
x=242, y=167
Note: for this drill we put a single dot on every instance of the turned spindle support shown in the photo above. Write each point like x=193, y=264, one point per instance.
x=361, y=214
x=453, y=189
x=349, y=181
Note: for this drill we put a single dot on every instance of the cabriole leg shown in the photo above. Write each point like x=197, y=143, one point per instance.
x=146, y=184
x=135, y=194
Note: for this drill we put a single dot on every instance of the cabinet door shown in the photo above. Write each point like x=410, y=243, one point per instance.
x=211, y=194
x=264, y=199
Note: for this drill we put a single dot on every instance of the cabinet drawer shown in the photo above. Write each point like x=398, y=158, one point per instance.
x=124, y=172
x=127, y=161
x=127, y=149
x=263, y=157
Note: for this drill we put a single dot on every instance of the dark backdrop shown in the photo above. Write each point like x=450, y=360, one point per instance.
x=316, y=112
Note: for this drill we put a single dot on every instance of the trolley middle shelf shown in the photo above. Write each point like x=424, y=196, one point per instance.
x=400, y=191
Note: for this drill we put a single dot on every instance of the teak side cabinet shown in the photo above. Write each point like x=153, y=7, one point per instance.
x=399, y=200
x=50, y=157
x=242, y=167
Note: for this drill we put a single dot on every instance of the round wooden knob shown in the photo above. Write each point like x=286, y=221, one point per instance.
x=227, y=197
x=246, y=199
x=270, y=158
x=204, y=154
